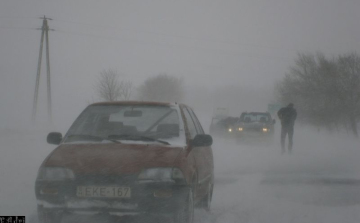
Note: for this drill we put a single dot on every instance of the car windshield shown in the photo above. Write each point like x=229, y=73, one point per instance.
x=254, y=117
x=126, y=123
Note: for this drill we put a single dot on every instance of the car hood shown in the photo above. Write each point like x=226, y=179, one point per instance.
x=112, y=158
x=254, y=124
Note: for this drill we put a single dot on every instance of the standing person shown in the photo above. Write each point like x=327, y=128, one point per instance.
x=287, y=116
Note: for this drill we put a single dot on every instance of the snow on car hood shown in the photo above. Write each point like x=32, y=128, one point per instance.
x=253, y=124
x=112, y=158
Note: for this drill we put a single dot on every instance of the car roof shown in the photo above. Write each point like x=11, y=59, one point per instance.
x=256, y=113
x=134, y=103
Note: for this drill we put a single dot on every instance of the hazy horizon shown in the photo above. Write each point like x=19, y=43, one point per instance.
x=228, y=53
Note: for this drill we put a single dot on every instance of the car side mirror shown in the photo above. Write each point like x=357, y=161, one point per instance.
x=54, y=138
x=202, y=140
x=274, y=121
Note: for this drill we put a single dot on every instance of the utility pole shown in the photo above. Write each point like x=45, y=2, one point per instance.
x=44, y=33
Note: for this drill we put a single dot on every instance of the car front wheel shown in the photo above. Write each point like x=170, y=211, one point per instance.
x=46, y=216
x=185, y=213
x=206, y=202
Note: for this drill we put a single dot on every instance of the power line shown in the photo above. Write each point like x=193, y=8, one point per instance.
x=18, y=17
x=197, y=48
x=178, y=36
x=10, y=27
x=135, y=41
x=162, y=44
x=222, y=51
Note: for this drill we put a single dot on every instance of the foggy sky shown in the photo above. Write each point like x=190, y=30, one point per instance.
x=248, y=44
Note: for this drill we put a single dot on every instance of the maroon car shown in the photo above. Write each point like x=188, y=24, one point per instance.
x=128, y=158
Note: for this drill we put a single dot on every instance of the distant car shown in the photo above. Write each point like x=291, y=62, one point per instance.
x=128, y=158
x=255, y=126
x=223, y=126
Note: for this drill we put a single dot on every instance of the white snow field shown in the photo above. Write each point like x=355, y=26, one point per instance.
x=319, y=182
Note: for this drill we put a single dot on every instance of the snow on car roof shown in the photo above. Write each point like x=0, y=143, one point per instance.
x=134, y=103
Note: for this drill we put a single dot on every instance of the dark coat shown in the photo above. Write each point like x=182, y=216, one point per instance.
x=287, y=116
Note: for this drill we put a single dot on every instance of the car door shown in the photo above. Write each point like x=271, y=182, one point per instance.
x=203, y=158
x=193, y=153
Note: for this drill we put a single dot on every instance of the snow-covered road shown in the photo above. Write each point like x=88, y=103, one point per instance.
x=282, y=189
x=253, y=183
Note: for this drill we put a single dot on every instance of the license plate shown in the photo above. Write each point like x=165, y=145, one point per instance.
x=99, y=191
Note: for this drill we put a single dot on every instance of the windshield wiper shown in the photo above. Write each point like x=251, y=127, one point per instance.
x=138, y=138
x=94, y=137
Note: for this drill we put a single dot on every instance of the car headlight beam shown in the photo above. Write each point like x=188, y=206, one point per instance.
x=265, y=130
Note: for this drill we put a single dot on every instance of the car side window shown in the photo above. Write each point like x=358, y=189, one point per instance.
x=190, y=124
x=196, y=121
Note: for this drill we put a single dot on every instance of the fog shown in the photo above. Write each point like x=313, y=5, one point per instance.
x=253, y=182
x=228, y=53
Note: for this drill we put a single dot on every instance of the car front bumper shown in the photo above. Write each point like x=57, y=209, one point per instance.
x=254, y=134
x=153, y=198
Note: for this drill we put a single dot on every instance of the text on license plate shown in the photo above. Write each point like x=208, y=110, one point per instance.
x=98, y=191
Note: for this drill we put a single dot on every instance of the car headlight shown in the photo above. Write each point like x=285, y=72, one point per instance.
x=161, y=174
x=265, y=130
x=55, y=173
x=240, y=129
x=230, y=130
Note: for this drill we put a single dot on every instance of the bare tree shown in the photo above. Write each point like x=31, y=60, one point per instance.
x=349, y=89
x=162, y=88
x=109, y=88
x=326, y=91
x=126, y=89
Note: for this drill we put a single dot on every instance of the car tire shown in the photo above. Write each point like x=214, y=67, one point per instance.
x=46, y=216
x=185, y=213
x=206, y=202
